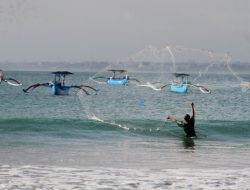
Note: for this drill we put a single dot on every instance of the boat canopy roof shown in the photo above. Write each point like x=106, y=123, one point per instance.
x=62, y=73
x=117, y=70
x=180, y=74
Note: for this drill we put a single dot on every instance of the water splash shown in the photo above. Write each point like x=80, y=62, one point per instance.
x=228, y=61
x=168, y=48
x=150, y=85
x=94, y=117
x=119, y=98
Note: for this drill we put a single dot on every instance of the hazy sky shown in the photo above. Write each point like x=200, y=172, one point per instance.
x=109, y=30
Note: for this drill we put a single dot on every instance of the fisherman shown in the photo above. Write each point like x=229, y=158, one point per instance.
x=187, y=124
x=125, y=75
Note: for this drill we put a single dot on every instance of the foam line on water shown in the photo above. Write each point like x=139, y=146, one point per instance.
x=94, y=117
x=49, y=177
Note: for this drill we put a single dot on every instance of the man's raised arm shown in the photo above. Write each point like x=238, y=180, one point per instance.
x=193, y=111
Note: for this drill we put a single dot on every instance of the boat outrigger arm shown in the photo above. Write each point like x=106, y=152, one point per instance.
x=13, y=82
x=203, y=89
x=10, y=81
x=50, y=84
x=58, y=85
x=181, y=85
x=122, y=80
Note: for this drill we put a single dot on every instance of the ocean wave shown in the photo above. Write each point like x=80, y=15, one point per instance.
x=205, y=129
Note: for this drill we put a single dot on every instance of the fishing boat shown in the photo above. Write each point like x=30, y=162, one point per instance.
x=58, y=86
x=122, y=79
x=181, y=84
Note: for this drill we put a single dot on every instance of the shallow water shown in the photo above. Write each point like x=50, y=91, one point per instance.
x=120, y=139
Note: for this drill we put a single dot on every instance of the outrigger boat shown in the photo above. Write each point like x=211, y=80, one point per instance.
x=181, y=84
x=58, y=86
x=113, y=80
x=10, y=81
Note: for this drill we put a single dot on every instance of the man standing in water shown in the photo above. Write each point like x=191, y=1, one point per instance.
x=187, y=124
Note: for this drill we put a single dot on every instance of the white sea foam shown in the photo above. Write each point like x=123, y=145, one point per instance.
x=93, y=117
x=120, y=125
x=46, y=177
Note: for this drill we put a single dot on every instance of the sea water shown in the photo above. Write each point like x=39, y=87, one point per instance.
x=49, y=142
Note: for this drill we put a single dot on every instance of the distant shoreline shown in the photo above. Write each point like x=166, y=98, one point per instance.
x=135, y=67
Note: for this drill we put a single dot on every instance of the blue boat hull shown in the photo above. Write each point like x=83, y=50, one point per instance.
x=60, y=90
x=117, y=82
x=179, y=88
